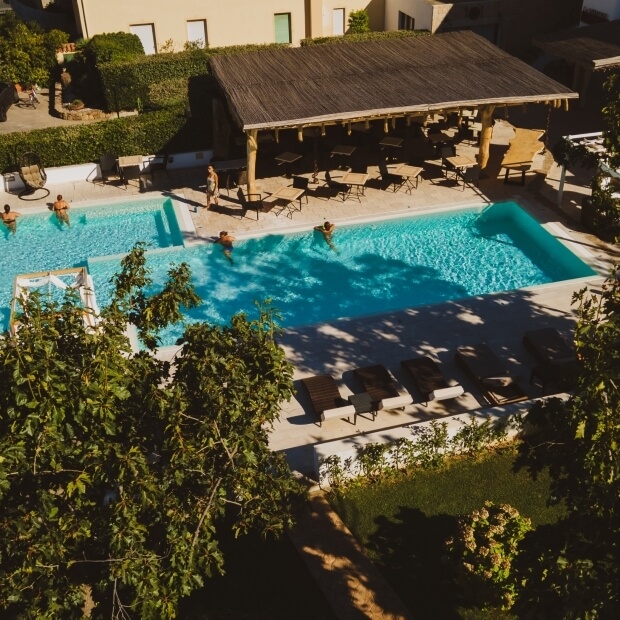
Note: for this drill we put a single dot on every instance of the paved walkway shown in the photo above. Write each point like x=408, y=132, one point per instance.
x=352, y=585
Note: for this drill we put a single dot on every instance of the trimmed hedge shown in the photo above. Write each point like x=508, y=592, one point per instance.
x=124, y=83
x=365, y=36
x=113, y=47
x=167, y=130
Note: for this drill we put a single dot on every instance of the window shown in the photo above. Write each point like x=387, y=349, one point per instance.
x=405, y=22
x=282, y=23
x=146, y=34
x=197, y=32
x=337, y=21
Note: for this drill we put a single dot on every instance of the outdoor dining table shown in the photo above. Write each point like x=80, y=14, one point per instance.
x=342, y=151
x=287, y=195
x=130, y=167
x=288, y=159
x=410, y=173
x=461, y=161
x=356, y=180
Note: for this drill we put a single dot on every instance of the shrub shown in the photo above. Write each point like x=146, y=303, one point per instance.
x=366, y=36
x=484, y=550
x=358, y=22
x=167, y=130
x=113, y=47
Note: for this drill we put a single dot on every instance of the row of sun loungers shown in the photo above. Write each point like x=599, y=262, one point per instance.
x=556, y=359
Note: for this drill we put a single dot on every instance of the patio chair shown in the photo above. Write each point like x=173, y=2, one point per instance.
x=389, y=178
x=336, y=187
x=33, y=176
x=429, y=380
x=325, y=398
x=250, y=202
x=301, y=183
x=158, y=163
x=490, y=375
x=470, y=176
x=382, y=388
x=445, y=152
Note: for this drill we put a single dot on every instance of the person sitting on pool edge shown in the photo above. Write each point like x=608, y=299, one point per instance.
x=61, y=206
x=9, y=218
x=226, y=242
x=327, y=229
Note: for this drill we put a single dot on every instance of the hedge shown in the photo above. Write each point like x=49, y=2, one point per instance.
x=365, y=36
x=167, y=130
x=128, y=84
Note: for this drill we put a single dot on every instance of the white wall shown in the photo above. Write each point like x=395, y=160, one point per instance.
x=228, y=23
x=421, y=11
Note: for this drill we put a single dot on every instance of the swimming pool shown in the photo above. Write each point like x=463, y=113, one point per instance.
x=378, y=267
x=42, y=243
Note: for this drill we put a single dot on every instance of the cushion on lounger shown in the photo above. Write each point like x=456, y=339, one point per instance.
x=444, y=393
x=395, y=402
x=338, y=412
x=496, y=381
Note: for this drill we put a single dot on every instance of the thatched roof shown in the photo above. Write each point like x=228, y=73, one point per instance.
x=597, y=46
x=322, y=83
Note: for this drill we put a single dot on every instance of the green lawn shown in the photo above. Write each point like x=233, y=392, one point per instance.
x=404, y=524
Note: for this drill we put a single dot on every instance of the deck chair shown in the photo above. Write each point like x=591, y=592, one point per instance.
x=429, y=380
x=335, y=187
x=389, y=178
x=382, y=388
x=557, y=362
x=521, y=151
x=301, y=183
x=325, y=398
x=490, y=375
x=108, y=165
x=33, y=176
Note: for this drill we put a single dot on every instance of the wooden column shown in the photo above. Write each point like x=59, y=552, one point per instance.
x=252, y=148
x=486, y=118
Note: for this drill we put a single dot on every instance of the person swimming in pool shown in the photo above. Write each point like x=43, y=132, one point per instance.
x=327, y=229
x=9, y=218
x=61, y=206
x=226, y=241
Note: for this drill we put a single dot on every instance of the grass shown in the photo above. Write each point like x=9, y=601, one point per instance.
x=403, y=524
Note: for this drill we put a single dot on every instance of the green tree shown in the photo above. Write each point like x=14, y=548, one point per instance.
x=358, y=22
x=577, y=571
x=117, y=468
x=27, y=52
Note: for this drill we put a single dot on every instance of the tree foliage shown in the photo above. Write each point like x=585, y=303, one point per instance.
x=578, y=440
x=117, y=468
x=358, y=22
x=27, y=52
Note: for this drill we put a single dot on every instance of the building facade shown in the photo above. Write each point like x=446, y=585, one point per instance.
x=170, y=26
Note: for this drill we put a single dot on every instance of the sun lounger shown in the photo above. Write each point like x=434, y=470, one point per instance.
x=325, y=398
x=490, y=374
x=382, y=388
x=429, y=380
x=557, y=360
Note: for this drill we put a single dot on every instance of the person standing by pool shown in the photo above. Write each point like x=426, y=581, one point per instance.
x=61, y=206
x=226, y=242
x=10, y=218
x=327, y=229
x=213, y=186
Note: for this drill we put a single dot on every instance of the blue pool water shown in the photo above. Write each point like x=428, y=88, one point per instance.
x=378, y=267
x=41, y=243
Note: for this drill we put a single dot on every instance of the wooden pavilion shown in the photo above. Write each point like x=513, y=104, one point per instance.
x=346, y=83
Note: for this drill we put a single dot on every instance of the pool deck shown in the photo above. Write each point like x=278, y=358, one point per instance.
x=340, y=346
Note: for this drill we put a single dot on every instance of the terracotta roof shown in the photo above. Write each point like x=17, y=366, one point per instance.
x=597, y=45
x=322, y=83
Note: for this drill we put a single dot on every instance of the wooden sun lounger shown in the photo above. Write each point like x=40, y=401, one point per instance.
x=326, y=399
x=557, y=361
x=381, y=387
x=490, y=374
x=429, y=380
x=521, y=151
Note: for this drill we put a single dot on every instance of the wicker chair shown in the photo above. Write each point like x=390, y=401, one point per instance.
x=33, y=176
